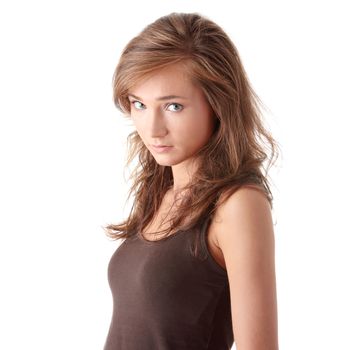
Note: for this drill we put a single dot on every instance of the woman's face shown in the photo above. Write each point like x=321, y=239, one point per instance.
x=168, y=109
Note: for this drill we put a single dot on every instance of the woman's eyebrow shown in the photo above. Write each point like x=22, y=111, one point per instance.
x=162, y=98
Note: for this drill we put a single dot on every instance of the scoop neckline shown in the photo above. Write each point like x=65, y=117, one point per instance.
x=143, y=239
x=217, y=266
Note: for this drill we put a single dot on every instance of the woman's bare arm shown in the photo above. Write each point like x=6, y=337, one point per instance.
x=245, y=235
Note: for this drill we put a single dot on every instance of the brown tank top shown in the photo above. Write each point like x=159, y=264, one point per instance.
x=164, y=298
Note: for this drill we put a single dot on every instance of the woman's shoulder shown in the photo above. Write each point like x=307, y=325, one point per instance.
x=237, y=209
x=236, y=194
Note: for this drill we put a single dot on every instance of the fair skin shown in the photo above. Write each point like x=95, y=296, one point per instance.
x=244, y=233
x=241, y=230
x=185, y=123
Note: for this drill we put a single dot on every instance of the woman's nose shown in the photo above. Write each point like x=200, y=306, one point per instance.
x=157, y=124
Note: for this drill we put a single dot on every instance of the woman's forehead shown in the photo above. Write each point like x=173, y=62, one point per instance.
x=172, y=82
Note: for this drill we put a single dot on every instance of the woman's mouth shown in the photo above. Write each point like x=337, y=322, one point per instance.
x=161, y=148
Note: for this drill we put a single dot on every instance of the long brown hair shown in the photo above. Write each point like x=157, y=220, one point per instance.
x=240, y=145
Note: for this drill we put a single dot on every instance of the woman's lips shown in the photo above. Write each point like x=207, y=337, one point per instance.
x=161, y=149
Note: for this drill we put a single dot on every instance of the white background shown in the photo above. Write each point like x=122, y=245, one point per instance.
x=62, y=153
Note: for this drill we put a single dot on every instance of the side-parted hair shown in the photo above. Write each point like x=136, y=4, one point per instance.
x=239, y=146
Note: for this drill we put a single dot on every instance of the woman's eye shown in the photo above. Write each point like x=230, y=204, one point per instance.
x=135, y=103
x=178, y=105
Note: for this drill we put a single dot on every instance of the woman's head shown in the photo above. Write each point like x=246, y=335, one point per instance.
x=168, y=109
x=203, y=59
x=207, y=57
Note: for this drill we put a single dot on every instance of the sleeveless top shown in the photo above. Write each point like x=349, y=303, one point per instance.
x=164, y=298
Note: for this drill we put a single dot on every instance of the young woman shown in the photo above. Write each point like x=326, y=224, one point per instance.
x=196, y=268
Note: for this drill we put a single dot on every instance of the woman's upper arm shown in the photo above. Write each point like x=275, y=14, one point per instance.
x=245, y=235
